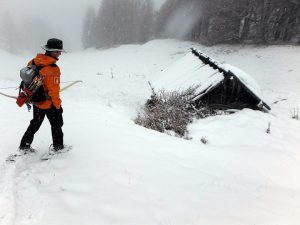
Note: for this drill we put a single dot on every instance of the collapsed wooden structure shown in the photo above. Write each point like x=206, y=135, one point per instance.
x=219, y=86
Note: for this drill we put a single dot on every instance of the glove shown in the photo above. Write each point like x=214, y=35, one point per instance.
x=59, y=110
x=24, y=97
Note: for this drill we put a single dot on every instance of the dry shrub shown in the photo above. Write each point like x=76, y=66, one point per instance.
x=169, y=112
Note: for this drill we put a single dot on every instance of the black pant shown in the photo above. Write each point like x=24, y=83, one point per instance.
x=56, y=121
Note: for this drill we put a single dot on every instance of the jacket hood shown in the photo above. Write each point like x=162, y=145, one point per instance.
x=44, y=60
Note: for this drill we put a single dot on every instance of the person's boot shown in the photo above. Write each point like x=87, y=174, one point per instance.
x=60, y=148
x=27, y=150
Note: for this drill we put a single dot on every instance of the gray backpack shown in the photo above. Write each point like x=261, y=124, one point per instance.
x=30, y=75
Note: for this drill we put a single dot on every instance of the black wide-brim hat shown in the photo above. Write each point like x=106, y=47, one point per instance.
x=54, y=45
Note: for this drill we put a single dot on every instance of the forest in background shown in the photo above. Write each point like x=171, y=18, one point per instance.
x=27, y=34
x=207, y=22
x=117, y=22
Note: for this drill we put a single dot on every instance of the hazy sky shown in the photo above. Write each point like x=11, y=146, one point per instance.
x=64, y=15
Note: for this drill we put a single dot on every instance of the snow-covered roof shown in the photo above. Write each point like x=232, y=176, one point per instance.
x=186, y=72
x=245, y=78
x=198, y=70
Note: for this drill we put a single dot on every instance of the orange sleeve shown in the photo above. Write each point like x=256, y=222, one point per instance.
x=51, y=80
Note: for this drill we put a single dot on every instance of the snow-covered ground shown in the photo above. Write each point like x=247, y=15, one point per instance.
x=122, y=174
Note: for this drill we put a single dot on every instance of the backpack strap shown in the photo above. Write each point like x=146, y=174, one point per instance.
x=40, y=67
x=37, y=68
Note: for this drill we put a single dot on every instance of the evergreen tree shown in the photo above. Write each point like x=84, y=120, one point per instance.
x=8, y=34
x=88, y=23
x=177, y=18
x=32, y=33
x=230, y=21
x=205, y=21
x=146, y=18
x=122, y=22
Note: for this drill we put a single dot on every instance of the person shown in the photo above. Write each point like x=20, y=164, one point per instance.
x=51, y=107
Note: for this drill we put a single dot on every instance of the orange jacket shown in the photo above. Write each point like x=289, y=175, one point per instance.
x=50, y=74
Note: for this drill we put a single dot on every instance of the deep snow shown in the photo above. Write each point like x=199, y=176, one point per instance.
x=120, y=173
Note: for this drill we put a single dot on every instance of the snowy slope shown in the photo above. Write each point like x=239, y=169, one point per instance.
x=120, y=173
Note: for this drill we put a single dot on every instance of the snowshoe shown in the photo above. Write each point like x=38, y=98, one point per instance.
x=53, y=151
x=21, y=152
